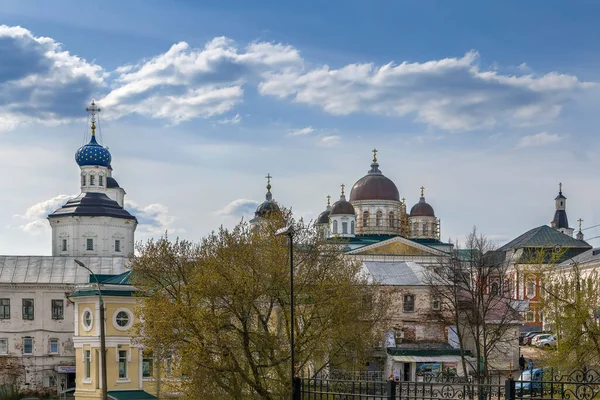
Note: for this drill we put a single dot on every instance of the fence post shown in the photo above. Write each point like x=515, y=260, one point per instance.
x=510, y=391
x=391, y=390
x=296, y=388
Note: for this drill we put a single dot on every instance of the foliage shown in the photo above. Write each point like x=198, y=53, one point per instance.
x=11, y=369
x=571, y=308
x=222, y=308
x=470, y=285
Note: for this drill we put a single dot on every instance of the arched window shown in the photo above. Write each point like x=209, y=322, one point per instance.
x=352, y=227
x=392, y=223
x=365, y=218
x=92, y=180
x=495, y=289
x=424, y=228
x=101, y=180
x=345, y=228
x=335, y=227
x=415, y=228
x=378, y=218
x=83, y=180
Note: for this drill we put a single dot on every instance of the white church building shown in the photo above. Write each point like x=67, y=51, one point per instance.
x=36, y=318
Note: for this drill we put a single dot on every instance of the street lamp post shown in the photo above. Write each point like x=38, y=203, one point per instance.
x=289, y=231
x=102, y=332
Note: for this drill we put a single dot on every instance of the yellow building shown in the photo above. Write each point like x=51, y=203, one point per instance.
x=129, y=375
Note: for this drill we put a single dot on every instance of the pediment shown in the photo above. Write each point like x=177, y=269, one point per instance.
x=397, y=246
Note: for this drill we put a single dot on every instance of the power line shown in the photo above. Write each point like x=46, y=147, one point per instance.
x=590, y=227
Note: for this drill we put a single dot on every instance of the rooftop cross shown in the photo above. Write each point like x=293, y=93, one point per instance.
x=93, y=110
x=580, y=221
x=374, y=155
x=328, y=200
x=560, y=187
x=422, y=191
x=268, y=181
x=343, y=186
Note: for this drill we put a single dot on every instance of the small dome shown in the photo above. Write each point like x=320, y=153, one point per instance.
x=323, y=217
x=265, y=208
x=422, y=209
x=374, y=186
x=342, y=207
x=111, y=183
x=93, y=154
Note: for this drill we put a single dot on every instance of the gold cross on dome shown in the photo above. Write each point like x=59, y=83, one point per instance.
x=343, y=186
x=422, y=191
x=580, y=221
x=328, y=200
x=93, y=110
x=268, y=181
x=374, y=155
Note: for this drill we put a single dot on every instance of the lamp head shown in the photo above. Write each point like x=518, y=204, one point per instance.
x=288, y=230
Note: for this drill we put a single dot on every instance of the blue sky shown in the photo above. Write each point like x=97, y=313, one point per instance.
x=487, y=104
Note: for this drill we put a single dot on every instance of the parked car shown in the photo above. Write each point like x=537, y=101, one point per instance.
x=532, y=381
x=522, y=336
x=527, y=338
x=536, y=338
x=546, y=341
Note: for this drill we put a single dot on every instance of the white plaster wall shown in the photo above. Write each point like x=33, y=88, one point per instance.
x=340, y=218
x=95, y=170
x=42, y=328
x=417, y=233
x=104, y=231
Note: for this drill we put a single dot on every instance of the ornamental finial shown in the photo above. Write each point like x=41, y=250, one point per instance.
x=328, y=200
x=403, y=200
x=560, y=188
x=374, y=155
x=343, y=186
x=422, y=191
x=268, y=182
x=93, y=110
x=580, y=221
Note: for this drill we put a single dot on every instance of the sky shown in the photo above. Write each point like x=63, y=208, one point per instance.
x=488, y=105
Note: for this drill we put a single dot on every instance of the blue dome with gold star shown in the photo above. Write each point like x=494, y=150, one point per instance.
x=93, y=154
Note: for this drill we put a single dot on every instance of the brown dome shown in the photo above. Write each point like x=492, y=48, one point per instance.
x=323, y=217
x=374, y=186
x=341, y=207
x=422, y=209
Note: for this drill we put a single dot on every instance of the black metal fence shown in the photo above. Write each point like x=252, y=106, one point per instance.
x=538, y=384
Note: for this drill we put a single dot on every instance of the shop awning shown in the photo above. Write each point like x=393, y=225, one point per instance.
x=410, y=359
x=130, y=395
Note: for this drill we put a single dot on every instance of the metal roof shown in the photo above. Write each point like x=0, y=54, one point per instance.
x=544, y=236
x=402, y=273
x=57, y=270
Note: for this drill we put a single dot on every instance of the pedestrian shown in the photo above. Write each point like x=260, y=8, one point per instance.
x=522, y=363
x=530, y=366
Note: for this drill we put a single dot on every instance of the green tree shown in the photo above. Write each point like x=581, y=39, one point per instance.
x=222, y=308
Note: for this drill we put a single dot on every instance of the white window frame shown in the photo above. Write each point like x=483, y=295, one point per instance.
x=86, y=327
x=24, y=340
x=530, y=293
x=352, y=227
x=118, y=245
x=87, y=366
x=92, y=180
x=100, y=180
x=344, y=228
x=404, y=303
x=335, y=226
x=125, y=360
x=50, y=343
x=87, y=244
x=129, y=323
x=436, y=304
x=4, y=347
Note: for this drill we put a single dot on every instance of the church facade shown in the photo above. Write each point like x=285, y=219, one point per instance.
x=36, y=317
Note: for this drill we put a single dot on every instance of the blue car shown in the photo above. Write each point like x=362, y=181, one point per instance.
x=531, y=381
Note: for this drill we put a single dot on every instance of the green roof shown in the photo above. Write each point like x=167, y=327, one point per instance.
x=130, y=395
x=121, y=279
x=393, y=351
x=94, y=292
x=544, y=236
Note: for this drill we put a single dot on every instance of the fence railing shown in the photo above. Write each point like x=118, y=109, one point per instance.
x=583, y=384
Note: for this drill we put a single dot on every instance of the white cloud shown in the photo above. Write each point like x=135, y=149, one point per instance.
x=452, y=93
x=330, y=140
x=34, y=218
x=236, y=119
x=153, y=219
x=300, y=132
x=539, y=139
x=40, y=82
x=239, y=208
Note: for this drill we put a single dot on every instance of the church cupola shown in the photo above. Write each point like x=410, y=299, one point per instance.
x=560, y=221
x=422, y=221
x=266, y=207
x=342, y=218
x=323, y=218
x=579, y=234
x=95, y=222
